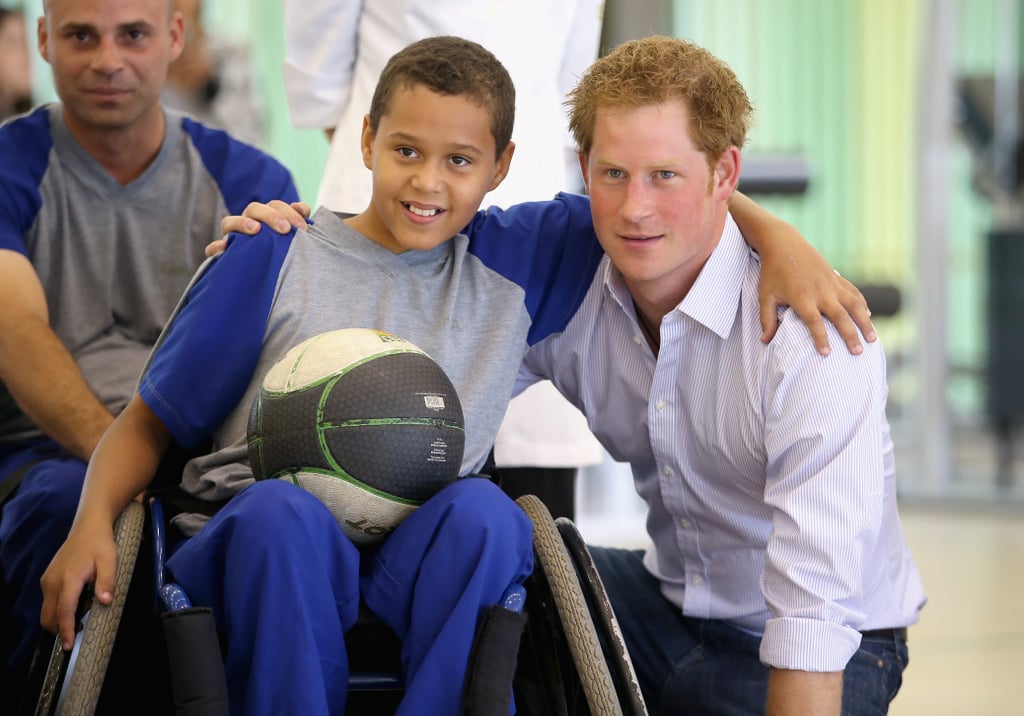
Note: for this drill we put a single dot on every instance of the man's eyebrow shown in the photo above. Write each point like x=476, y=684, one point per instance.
x=85, y=27
x=76, y=27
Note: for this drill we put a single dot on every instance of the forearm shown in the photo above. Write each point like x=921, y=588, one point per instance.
x=759, y=227
x=123, y=464
x=804, y=692
x=47, y=385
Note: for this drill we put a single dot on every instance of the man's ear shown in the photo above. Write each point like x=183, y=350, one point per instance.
x=366, y=143
x=503, y=164
x=41, y=39
x=727, y=173
x=177, y=31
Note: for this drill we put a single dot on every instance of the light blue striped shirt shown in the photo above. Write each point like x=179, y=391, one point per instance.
x=767, y=469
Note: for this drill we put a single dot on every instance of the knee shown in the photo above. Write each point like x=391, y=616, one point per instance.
x=479, y=507
x=48, y=495
x=281, y=521
x=268, y=509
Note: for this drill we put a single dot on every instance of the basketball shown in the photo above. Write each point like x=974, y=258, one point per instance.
x=364, y=420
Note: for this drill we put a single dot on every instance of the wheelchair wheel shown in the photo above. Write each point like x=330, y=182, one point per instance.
x=626, y=681
x=583, y=642
x=97, y=638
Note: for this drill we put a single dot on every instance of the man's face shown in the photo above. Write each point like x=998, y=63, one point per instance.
x=109, y=58
x=433, y=159
x=658, y=209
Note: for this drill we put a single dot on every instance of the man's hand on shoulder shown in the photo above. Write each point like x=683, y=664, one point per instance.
x=278, y=215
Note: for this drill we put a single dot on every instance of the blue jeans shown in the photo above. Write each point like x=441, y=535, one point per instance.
x=707, y=666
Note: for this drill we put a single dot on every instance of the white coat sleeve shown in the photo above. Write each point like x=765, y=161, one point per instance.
x=321, y=40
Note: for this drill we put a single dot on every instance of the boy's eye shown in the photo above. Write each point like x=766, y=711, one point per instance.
x=460, y=161
x=407, y=151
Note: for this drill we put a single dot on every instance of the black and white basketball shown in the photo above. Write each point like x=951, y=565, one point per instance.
x=364, y=420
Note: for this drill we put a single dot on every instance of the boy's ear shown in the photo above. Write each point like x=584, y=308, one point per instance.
x=727, y=173
x=502, y=167
x=366, y=142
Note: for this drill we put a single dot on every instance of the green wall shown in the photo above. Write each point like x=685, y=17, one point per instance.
x=838, y=81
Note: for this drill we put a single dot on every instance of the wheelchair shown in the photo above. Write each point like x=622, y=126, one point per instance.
x=557, y=647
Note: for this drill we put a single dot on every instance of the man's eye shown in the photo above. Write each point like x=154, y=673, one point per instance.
x=666, y=174
x=614, y=173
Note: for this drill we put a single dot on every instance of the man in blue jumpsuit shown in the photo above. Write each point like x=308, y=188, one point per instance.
x=107, y=201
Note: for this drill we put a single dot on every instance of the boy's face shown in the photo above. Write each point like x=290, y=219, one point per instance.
x=433, y=159
x=658, y=209
x=109, y=58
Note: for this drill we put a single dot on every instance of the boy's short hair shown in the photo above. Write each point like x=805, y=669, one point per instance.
x=660, y=69
x=451, y=66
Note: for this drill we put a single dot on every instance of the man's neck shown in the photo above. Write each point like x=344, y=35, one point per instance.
x=124, y=152
x=653, y=301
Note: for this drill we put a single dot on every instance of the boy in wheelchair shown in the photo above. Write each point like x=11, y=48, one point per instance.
x=474, y=290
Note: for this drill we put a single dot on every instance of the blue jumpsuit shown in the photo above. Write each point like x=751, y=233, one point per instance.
x=111, y=281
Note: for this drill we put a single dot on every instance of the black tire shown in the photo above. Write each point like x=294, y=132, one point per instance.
x=626, y=682
x=583, y=642
x=97, y=639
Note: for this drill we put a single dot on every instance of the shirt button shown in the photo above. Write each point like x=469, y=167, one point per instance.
x=697, y=580
x=638, y=340
x=685, y=524
x=660, y=405
x=666, y=471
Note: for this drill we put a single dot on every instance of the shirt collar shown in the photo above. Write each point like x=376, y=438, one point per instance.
x=715, y=294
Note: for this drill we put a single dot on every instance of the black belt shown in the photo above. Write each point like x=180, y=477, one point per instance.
x=898, y=632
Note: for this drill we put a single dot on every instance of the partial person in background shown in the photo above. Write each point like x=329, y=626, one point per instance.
x=212, y=80
x=335, y=52
x=15, y=75
x=108, y=202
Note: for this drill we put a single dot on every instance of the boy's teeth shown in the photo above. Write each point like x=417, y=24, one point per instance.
x=423, y=212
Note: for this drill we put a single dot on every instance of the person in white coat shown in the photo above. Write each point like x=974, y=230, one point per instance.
x=335, y=50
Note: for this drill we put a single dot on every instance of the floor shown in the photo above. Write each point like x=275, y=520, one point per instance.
x=967, y=652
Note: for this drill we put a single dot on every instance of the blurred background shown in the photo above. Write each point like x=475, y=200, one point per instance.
x=890, y=133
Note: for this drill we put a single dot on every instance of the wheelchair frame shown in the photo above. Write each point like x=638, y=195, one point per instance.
x=572, y=660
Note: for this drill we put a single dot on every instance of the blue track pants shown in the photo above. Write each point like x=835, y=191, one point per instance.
x=285, y=583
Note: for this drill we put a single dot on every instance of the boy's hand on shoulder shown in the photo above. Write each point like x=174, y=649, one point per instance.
x=89, y=555
x=278, y=215
x=804, y=281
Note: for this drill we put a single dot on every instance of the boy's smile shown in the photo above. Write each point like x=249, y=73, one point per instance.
x=433, y=159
